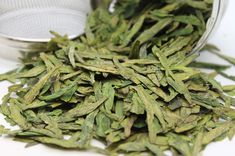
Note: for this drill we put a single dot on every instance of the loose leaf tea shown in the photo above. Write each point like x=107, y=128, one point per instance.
x=128, y=82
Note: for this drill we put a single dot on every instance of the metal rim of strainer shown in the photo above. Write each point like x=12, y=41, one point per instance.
x=26, y=45
x=219, y=8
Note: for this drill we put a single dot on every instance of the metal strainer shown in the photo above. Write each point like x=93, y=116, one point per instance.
x=25, y=24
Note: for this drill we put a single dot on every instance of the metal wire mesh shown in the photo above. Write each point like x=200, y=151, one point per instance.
x=33, y=19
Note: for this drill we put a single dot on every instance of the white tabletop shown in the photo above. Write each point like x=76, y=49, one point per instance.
x=224, y=39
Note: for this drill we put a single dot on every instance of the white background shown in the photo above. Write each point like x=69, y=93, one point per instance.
x=224, y=39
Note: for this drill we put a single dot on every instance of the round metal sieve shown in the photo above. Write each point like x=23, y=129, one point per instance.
x=35, y=24
x=26, y=24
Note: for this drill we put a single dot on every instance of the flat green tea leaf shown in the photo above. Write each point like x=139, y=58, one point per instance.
x=35, y=104
x=155, y=29
x=151, y=111
x=33, y=72
x=85, y=108
x=17, y=117
x=109, y=93
x=193, y=20
x=87, y=130
x=35, y=90
x=132, y=146
x=134, y=30
x=216, y=52
x=155, y=149
x=3, y=130
x=58, y=142
x=205, y=65
x=216, y=132
x=197, y=147
x=180, y=145
x=103, y=124
x=64, y=93
x=226, y=75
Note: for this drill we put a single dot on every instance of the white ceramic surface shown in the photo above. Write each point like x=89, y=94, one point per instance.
x=224, y=39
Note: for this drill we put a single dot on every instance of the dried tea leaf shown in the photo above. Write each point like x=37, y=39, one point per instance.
x=206, y=65
x=155, y=149
x=35, y=90
x=226, y=75
x=109, y=93
x=214, y=50
x=87, y=130
x=197, y=147
x=33, y=72
x=67, y=144
x=17, y=117
x=151, y=112
x=216, y=132
x=103, y=124
x=3, y=130
x=155, y=29
x=132, y=146
x=180, y=145
x=85, y=108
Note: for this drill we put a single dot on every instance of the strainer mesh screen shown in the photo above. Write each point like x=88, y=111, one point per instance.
x=33, y=19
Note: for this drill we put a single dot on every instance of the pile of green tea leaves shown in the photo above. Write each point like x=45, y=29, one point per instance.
x=128, y=82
